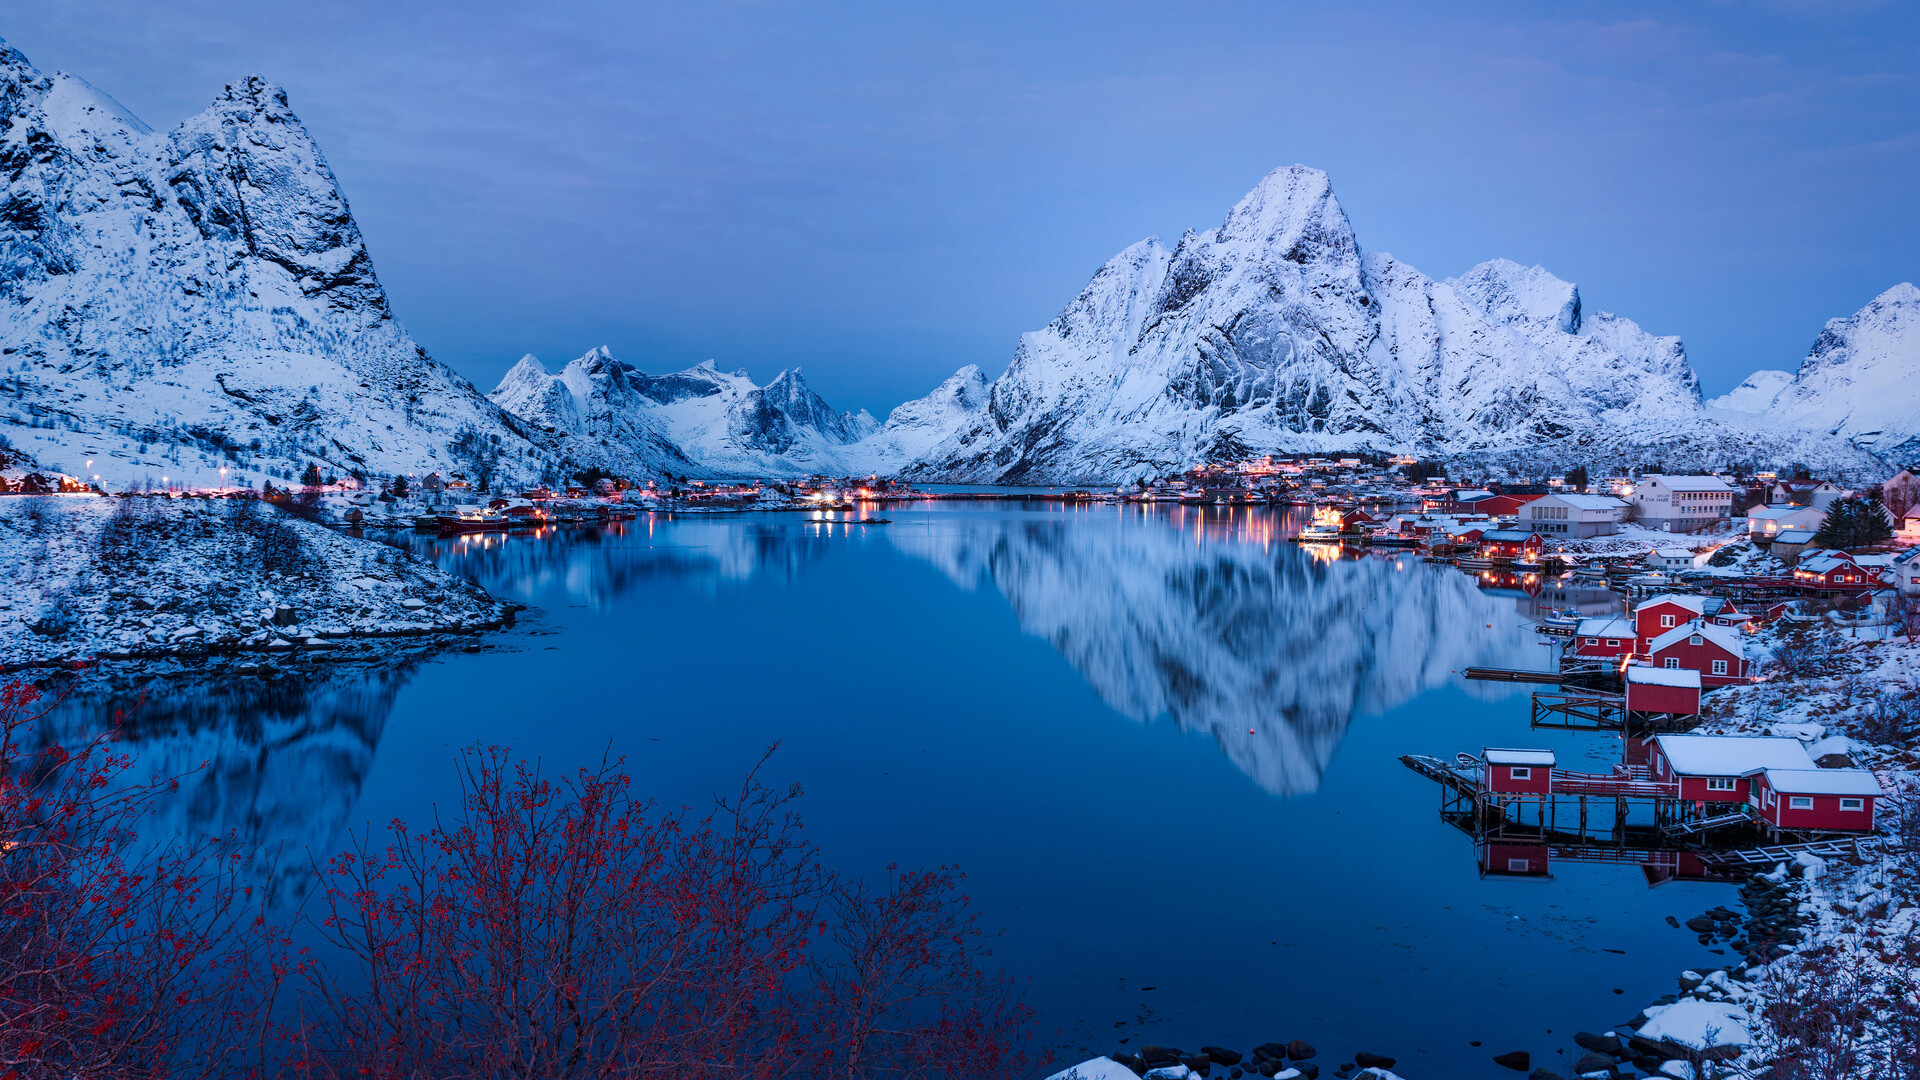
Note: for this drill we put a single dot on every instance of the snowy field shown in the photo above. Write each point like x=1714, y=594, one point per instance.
x=113, y=578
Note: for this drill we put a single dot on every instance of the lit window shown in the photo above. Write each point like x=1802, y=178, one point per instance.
x=1800, y=802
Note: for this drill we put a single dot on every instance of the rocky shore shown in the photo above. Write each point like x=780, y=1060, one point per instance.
x=143, y=579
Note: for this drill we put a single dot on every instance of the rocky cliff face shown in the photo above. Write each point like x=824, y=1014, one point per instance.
x=202, y=293
x=1278, y=326
x=1860, y=381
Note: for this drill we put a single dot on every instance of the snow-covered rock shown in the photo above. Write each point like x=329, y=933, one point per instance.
x=173, y=302
x=916, y=427
x=140, y=578
x=1861, y=380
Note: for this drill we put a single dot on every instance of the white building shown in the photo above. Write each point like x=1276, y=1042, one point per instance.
x=1573, y=516
x=1682, y=503
x=1670, y=559
x=1766, y=522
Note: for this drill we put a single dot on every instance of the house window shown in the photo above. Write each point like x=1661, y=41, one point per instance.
x=1694, y=640
x=1719, y=667
x=1800, y=802
x=1853, y=804
x=1596, y=641
x=1720, y=783
x=1520, y=772
x=1666, y=621
x=1518, y=866
x=1673, y=663
x=1613, y=643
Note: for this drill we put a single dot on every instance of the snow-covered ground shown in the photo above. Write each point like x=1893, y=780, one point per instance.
x=1638, y=540
x=111, y=578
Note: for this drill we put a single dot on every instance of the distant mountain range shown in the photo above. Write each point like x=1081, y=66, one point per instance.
x=202, y=298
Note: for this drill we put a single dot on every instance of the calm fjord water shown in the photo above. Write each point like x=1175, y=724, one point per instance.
x=1160, y=743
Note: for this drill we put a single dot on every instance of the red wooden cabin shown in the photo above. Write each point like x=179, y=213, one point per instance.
x=1713, y=768
x=1607, y=638
x=1512, y=544
x=1822, y=800
x=1662, y=690
x=1511, y=771
x=1714, y=651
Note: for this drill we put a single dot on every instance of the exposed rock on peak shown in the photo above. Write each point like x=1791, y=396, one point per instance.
x=1859, y=380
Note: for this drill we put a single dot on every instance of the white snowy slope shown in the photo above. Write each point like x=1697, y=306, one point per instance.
x=203, y=292
x=702, y=420
x=1753, y=396
x=916, y=427
x=1861, y=381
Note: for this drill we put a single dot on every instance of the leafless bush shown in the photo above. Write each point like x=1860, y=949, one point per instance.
x=1814, y=1022
x=1807, y=654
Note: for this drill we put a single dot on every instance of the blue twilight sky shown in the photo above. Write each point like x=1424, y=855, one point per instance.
x=882, y=192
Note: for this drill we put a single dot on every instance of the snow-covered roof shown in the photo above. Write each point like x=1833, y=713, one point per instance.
x=1674, y=553
x=1646, y=675
x=1731, y=755
x=1794, y=536
x=1691, y=483
x=1712, y=632
x=1821, y=781
x=1509, y=535
x=1504, y=755
x=1695, y=604
x=1590, y=502
x=1604, y=627
x=1781, y=513
x=1824, y=563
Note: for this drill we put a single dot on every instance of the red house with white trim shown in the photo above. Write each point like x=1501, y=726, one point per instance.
x=1821, y=800
x=1511, y=771
x=1518, y=860
x=1512, y=544
x=1713, y=768
x=1716, y=652
x=1604, y=638
x=1659, y=614
x=1832, y=570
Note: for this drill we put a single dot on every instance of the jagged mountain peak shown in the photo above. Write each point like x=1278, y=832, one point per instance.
x=1505, y=289
x=1858, y=379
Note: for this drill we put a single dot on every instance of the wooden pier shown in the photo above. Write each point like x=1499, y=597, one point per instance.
x=1494, y=674
x=1579, y=711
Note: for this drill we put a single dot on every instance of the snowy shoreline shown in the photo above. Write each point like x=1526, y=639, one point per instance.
x=141, y=579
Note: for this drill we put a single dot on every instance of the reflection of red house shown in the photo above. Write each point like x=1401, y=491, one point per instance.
x=1791, y=800
x=1519, y=860
x=1517, y=772
x=1714, y=651
x=1713, y=768
x=1662, y=690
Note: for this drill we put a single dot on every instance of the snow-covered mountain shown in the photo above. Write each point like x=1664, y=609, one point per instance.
x=700, y=420
x=173, y=302
x=1861, y=380
x=1277, y=325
